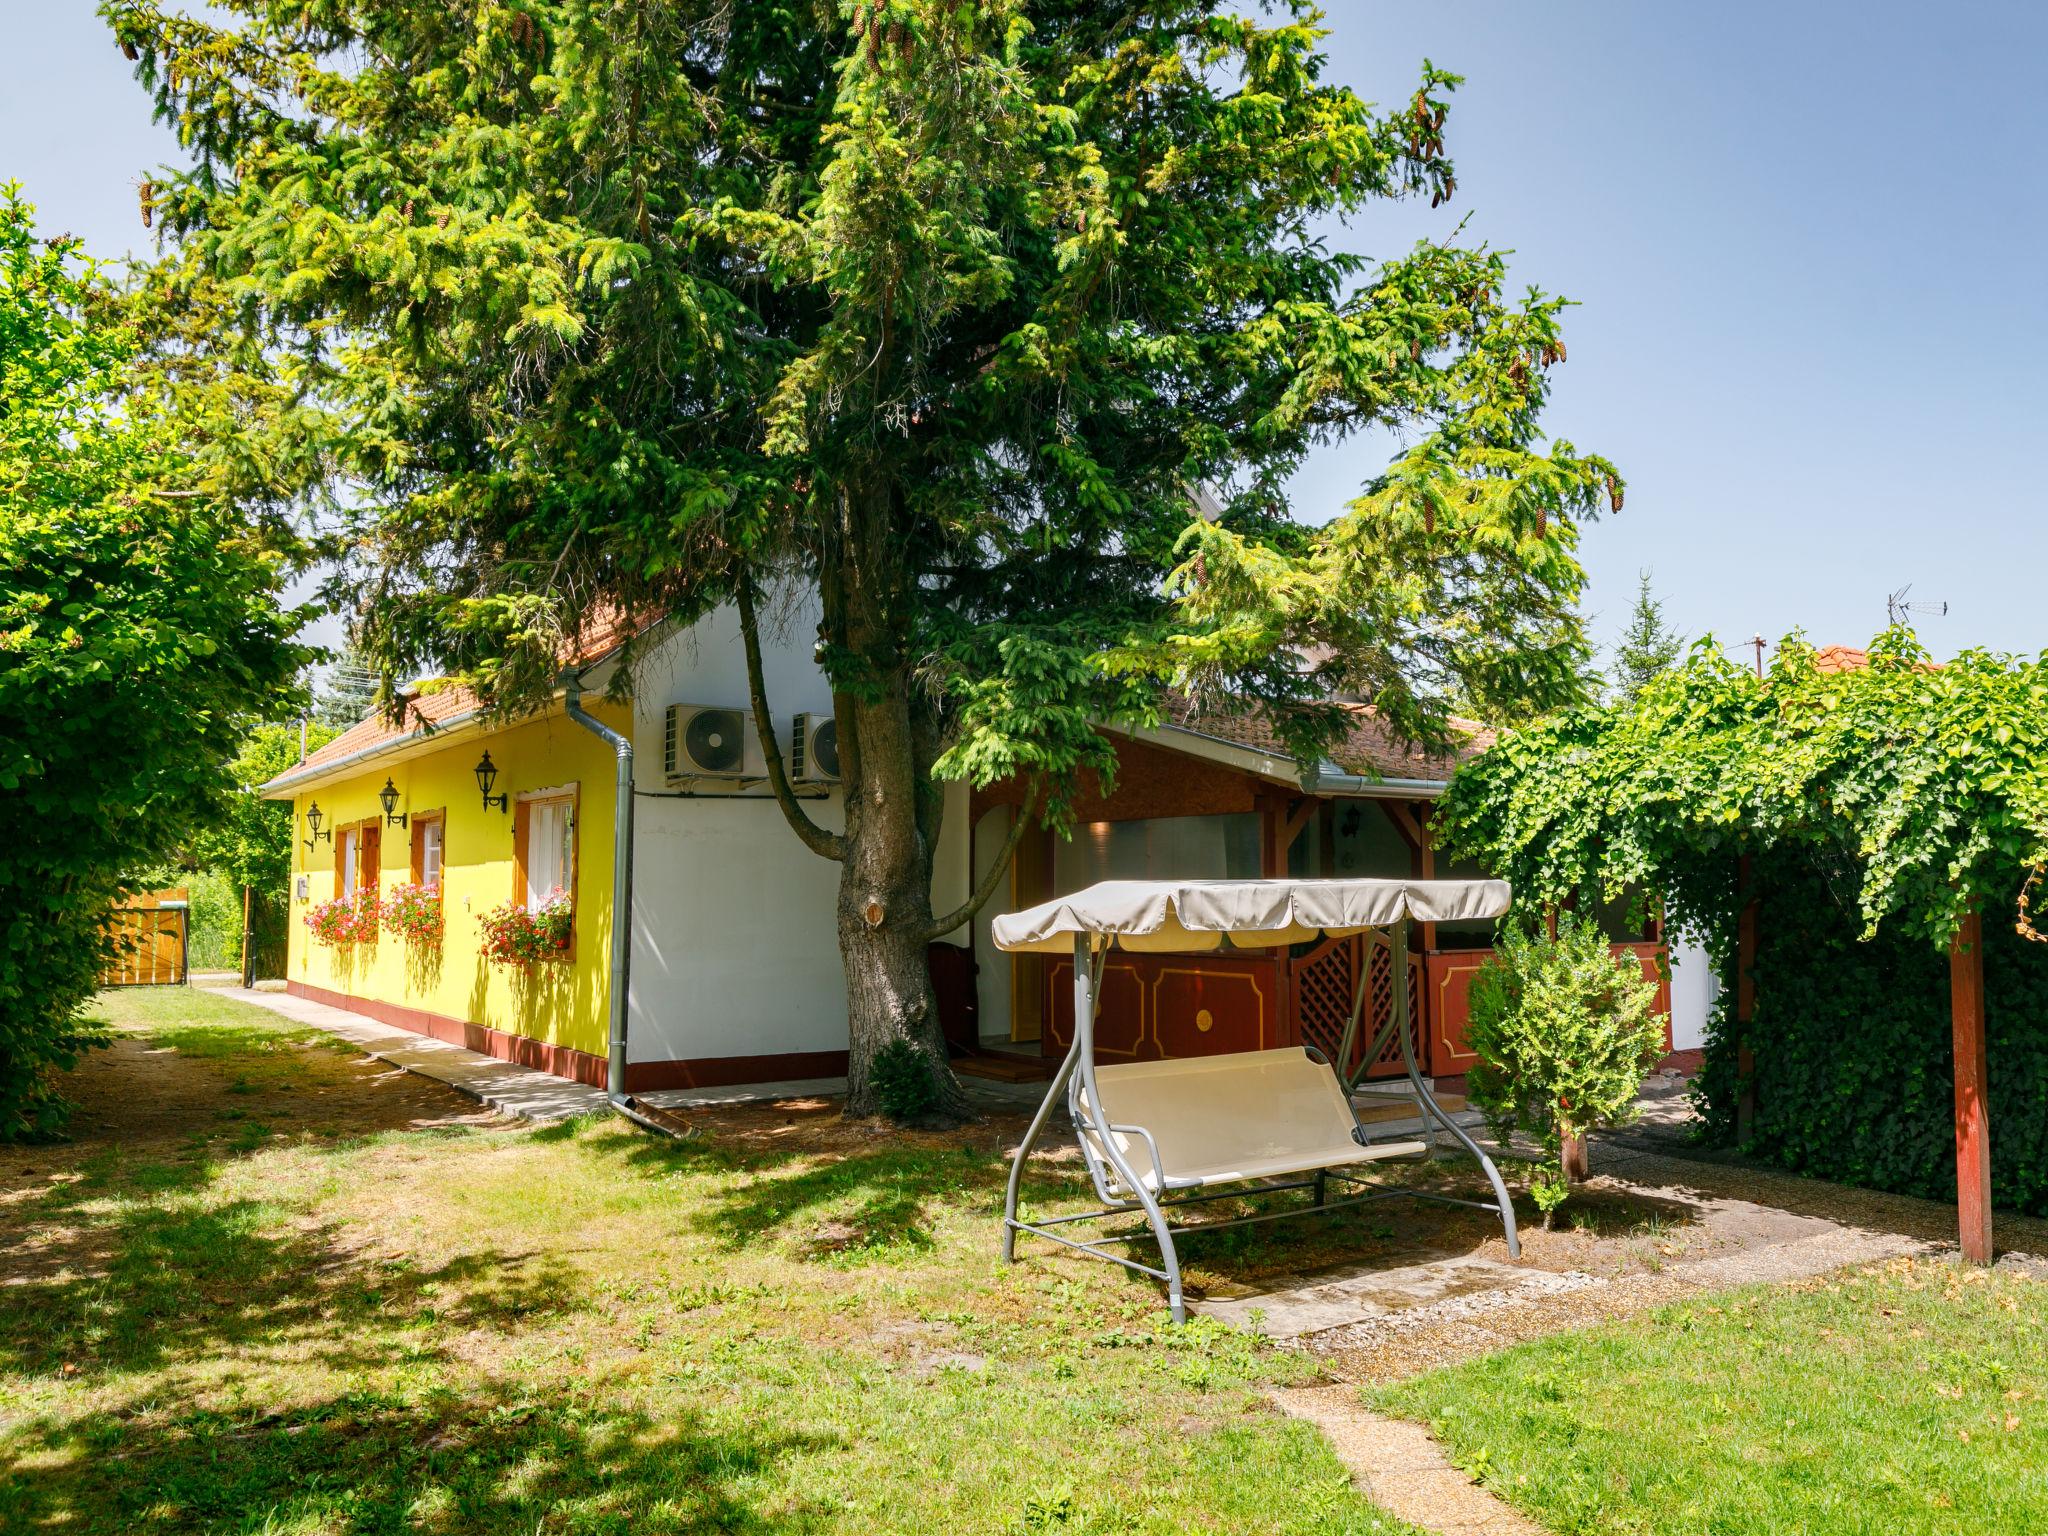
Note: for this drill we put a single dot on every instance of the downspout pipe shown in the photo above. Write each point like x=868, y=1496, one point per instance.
x=622, y=905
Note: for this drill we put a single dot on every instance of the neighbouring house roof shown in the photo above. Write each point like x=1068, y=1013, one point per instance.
x=1841, y=658
x=419, y=714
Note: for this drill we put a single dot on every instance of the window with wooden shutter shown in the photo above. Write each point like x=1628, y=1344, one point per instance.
x=427, y=848
x=544, y=847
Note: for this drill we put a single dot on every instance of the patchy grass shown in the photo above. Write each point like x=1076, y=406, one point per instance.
x=1905, y=1399
x=389, y=1313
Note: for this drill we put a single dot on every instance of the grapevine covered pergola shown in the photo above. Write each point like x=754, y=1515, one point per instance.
x=1912, y=796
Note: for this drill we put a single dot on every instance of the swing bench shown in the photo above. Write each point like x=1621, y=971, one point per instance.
x=1155, y=1135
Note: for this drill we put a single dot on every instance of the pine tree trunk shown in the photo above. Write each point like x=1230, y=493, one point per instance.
x=885, y=909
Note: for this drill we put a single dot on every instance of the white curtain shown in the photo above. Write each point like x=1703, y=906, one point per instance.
x=549, y=851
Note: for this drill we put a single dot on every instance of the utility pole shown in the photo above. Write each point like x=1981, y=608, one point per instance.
x=1758, y=642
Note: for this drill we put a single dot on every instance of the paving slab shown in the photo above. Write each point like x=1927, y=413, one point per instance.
x=1400, y=1468
x=746, y=1093
x=1440, y=1286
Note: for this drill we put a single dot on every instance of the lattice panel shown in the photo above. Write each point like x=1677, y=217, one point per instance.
x=1322, y=993
x=1323, y=982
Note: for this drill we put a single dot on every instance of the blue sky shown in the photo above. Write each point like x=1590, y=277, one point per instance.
x=1806, y=241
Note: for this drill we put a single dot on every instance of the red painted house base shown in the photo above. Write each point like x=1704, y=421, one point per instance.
x=582, y=1066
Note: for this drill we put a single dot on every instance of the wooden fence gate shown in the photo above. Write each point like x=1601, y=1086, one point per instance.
x=150, y=941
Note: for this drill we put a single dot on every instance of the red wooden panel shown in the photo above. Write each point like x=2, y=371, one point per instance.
x=1450, y=987
x=1448, y=977
x=1170, y=1005
x=1655, y=968
x=1120, y=1023
x=1206, y=1007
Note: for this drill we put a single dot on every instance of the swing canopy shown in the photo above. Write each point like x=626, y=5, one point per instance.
x=1190, y=916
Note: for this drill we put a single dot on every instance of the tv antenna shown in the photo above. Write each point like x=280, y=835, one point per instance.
x=1898, y=613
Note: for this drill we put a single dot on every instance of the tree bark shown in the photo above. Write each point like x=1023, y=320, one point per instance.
x=885, y=907
x=1576, y=1159
x=888, y=740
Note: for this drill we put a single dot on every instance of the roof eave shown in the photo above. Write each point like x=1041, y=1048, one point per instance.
x=1277, y=768
x=290, y=782
x=310, y=776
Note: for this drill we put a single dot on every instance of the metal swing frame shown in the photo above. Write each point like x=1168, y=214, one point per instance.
x=1123, y=1192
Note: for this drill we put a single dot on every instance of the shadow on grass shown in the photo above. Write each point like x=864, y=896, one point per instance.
x=880, y=1201
x=152, y=1274
x=488, y=1461
x=822, y=1203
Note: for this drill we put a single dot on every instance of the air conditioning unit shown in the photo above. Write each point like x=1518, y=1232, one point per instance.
x=708, y=742
x=814, y=750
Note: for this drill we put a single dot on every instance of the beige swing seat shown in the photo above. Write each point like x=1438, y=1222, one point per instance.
x=1157, y=1135
x=1191, y=1122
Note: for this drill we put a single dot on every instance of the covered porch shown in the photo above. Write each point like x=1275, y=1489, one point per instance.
x=1216, y=799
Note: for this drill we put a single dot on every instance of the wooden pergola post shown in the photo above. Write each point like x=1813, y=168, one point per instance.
x=1973, y=1117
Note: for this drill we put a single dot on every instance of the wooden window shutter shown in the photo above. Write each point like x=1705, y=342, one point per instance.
x=368, y=860
x=419, y=850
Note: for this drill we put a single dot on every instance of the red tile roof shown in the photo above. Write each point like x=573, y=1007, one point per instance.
x=416, y=710
x=1841, y=658
x=1368, y=748
x=377, y=729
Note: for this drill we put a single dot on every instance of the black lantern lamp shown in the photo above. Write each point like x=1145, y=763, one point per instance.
x=486, y=776
x=313, y=832
x=388, y=797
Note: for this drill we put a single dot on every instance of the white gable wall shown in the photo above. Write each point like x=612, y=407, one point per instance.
x=735, y=948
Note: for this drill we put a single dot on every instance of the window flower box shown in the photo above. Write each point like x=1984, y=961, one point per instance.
x=345, y=921
x=413, y=913
x=514, y=936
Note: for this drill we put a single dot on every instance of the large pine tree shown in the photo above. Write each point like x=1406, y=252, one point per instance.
x=941, y=310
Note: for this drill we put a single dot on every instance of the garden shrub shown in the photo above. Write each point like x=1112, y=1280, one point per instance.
x=1853, y=1048
x=904, y=1085
x=1565, y=1034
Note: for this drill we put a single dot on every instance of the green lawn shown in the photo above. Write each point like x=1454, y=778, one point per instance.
x=274, y=1287
x=1898, y=1401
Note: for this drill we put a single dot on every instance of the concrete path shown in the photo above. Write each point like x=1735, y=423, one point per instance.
x=1400, y=1468
x=505, y=1087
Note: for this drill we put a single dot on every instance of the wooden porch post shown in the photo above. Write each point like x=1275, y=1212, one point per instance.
x=1973, y=1121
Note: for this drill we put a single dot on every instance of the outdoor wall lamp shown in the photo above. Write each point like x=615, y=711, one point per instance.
x=313, y=832
x=388, y=798
x=486, y=776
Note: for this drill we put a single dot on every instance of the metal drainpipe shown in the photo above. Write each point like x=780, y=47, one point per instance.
x=622, y=906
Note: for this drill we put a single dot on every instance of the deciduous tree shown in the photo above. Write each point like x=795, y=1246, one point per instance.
x=940, y=311
x=140, y=630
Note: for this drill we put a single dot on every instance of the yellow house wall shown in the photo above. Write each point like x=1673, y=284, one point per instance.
x=560, y=1003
